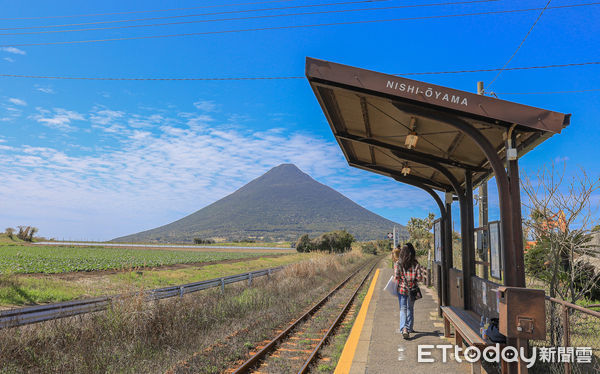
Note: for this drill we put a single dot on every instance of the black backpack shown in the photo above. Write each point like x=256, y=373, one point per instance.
x=493, y=332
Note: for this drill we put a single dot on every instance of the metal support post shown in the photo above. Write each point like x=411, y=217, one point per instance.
x=447, y=250
x=566, y=336
x=517, y=227
x=483, y=222
x=483, y=208
x=222, y=285
x=468, y=259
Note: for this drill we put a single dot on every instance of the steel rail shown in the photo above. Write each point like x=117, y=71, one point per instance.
x=334, y=325
x=260, y=355
x=40, y=313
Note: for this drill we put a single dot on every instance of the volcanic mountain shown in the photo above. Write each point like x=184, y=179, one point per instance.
x=282, y=204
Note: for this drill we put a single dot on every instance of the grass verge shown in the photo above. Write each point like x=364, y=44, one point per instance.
x=134, y=336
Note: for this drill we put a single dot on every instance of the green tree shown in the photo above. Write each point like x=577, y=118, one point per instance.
x=304, y=244
x=32, y=232
x=419, y=232
x=9, y=231
x=334, y=241
x=369, y=248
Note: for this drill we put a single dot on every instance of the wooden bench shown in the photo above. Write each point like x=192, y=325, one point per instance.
x=466, y=328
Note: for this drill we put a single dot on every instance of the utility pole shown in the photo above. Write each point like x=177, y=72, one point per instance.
x=483, y=208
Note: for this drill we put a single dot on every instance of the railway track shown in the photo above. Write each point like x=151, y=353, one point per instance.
x=297, y=347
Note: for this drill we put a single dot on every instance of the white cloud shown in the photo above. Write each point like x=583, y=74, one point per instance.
x=59, y=118
x=9, y=59
x=205, y=105
x=16, y=101
x=9, y=113
x=156, y=176
x=165, y=167
x=46, y=90
x=13, y=50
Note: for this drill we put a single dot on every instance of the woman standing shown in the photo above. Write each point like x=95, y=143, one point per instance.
x=408, y=273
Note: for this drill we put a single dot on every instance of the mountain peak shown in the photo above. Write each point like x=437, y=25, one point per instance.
x=282, y=204
x=286, y=170
x=282, y=174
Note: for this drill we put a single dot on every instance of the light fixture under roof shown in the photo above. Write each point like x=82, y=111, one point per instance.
x=405, y=170
x=411, y=140
x=412, y=137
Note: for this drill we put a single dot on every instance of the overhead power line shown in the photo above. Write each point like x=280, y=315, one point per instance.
x=196, y=15
x=283, y=77
x=249, y=18
x=288, y=27
x=145, y=79
x=520, y=45
x=143, y=11
x=506, y=69
x=548, y=92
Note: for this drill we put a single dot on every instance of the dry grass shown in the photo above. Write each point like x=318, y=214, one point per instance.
x=134, y=336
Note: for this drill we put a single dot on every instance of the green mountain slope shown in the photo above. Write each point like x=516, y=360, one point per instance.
x=282, y=204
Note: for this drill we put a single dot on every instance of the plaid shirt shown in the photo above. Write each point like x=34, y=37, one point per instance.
x=407, y=278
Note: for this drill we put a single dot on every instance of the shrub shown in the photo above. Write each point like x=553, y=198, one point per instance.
x=369, y=248
x=9, y=232
x=421, y=252
x=335, y=241
x=304, y=244
x=203, y=241
x=383, y=245
x=586, y=280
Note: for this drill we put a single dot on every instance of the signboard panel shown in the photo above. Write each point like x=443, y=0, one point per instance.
x=437, y=240
x=495, y=250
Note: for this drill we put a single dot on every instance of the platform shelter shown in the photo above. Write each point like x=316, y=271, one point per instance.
x=441, y=139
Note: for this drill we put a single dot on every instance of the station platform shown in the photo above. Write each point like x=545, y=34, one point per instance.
x=376, y=346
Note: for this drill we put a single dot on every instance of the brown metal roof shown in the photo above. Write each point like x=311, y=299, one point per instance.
x=371, y=114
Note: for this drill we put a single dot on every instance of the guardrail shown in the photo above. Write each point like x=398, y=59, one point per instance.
x=34, y=314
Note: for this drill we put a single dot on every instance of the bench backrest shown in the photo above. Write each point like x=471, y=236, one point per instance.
x=483, y=297
x=455, y=288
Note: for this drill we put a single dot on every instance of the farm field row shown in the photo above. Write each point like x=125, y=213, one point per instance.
x=26, y=259
x=282, y=245
x=29, y=289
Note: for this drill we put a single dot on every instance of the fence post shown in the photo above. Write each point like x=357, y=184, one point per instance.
x=249, y=279
x=180, y=291
x=566, y=337
x=222, y=285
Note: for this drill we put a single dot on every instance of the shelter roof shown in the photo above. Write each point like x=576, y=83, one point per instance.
x=371, y=114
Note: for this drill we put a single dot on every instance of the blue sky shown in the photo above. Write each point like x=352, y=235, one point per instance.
x=94, y=160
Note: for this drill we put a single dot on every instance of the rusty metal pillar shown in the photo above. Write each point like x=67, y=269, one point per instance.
x=515, y=195
x=447, y=249
x=466, y=224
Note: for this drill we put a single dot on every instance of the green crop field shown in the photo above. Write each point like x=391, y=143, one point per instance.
x=50, y=260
